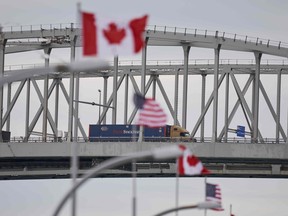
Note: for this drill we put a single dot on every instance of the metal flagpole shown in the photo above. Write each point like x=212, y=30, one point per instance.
x=134, y=175
x=177, y=188
x=134, y=187
x=205, y=181
x=74, y=147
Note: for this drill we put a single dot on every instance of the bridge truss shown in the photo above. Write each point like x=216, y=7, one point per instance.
x=224, y=88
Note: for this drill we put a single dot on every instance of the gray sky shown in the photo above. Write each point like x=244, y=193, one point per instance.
x=256, y=18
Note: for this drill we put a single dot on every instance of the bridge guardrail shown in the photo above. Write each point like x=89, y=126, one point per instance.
x=155, y=139
x=219, y=34
x=176, y=30
x=168, y=63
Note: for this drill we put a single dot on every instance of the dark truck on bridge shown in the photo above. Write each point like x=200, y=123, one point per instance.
x=129, y=133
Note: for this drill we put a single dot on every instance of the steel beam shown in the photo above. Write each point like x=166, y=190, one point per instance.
x=176, y=94
x=186, y=50
x=2, y=62
x=8, y=104
x=115, y=89
x=105, y=87
x=215, y=92
x=202, y=131
x=278, y=106
x=47, y=52
x=27, y=110
x=256, y=99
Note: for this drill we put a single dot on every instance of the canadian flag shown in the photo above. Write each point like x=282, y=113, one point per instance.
x=106, y=37
x=189, y=164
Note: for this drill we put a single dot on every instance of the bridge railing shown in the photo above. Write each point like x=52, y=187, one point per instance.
x=197, y=32
x=149, y=139
x=168, y=63
x=51, y=27
x=175, y=30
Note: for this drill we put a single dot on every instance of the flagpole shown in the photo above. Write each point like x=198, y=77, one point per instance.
x=230, y=210
x=205, y=181
x=134, y=175
x=134, y=187
x=177, y=188
x=141, y=132
x=74, y=165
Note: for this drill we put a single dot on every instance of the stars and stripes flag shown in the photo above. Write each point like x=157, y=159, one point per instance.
x=105, y=37
x=189, y=164
x=213, y=193
x=150, y=112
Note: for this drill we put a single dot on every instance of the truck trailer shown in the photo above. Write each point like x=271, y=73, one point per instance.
x=130, y=133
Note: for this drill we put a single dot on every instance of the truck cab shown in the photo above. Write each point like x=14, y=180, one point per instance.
x=178, y=133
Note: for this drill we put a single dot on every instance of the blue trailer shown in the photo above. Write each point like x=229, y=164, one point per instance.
x=121, y=132
x=129, y=133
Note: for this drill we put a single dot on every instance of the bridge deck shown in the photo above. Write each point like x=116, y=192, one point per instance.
x=52, y=160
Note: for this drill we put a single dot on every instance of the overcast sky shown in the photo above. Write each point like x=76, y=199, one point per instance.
x=258, y=18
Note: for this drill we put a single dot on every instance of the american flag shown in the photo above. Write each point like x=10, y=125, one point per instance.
x=150, y=112
x=213, y=193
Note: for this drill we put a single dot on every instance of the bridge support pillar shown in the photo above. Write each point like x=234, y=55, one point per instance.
x=27, y=110
x=56, y=114
x=154, y=77
x=203, y=106
x=47, y=52
x=71, y=92
x=176, y=97
x=255, y=103
x=115, y=77
x=226, y=121
x=8, y=104
x=2, y=61
x=76, y=115
x=186, y=50
x=215, y=93
x=105, y=86
x=126, y=98
x=278, y=105
x=143, y=70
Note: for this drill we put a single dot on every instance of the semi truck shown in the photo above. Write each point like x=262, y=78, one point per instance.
x=129, y=133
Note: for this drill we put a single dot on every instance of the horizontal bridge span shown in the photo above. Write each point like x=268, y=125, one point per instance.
x=52, y=160
x=114, y=149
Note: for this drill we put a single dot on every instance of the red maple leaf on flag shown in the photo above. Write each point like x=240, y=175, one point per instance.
x=113, y=34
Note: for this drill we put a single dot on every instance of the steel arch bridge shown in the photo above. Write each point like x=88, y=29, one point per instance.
x=46, y=38
x=197, y=94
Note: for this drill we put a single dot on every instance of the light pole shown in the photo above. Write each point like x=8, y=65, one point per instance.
x=201, y=205
x=156, y=154
x=99, y=122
